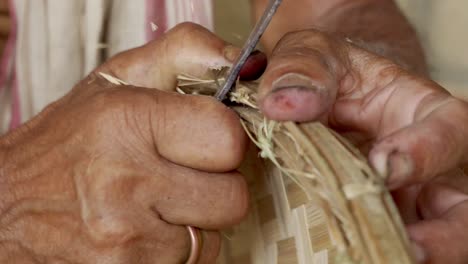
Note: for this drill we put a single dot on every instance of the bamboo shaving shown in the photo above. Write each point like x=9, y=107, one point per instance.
x=112, y=79
x=154, y=27
x=361, y=217
x=243, y=96
x=352, y=191
x=264, y=139
x=180, y=90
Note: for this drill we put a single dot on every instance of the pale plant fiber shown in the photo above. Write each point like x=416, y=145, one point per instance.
x=317, y=201
x=339, y=192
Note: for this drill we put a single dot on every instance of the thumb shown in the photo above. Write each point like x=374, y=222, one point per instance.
x=302, y=77
x=186, y=49
x=197, y=132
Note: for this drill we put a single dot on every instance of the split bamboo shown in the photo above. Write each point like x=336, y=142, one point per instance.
x=315, y=198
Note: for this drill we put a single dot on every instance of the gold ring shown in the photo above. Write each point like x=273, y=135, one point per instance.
x=196, y=244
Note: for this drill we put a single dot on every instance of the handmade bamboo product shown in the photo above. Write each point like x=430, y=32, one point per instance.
x=314, y=198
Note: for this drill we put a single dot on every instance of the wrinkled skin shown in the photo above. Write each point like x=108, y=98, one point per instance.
x=112, y=174
x=412, y=129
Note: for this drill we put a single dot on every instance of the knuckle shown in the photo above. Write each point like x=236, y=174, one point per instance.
x=114, y=101
x=186, y=28
x=117, y=111
x=105, y=107
x=110, y=231
x=106, y=100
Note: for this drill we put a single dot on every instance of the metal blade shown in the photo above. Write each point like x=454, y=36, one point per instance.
x=249, y=46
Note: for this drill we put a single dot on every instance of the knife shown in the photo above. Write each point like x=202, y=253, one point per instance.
x=249, y=46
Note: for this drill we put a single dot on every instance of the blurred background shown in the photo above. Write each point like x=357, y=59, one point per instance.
x=4, y=23
x=442, y=27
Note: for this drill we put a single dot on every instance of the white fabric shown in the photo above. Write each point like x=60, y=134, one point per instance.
x=60, y=41
x=189, y=10
x=128, y=22
x=57, y=45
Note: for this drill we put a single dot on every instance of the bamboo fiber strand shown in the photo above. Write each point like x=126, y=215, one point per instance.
x=357, y=215
x=318, y=202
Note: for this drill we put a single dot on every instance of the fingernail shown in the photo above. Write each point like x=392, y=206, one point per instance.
x=294, y=80
x=400, y=168
x=295, y=97
x=418, y=252
x=231, y=53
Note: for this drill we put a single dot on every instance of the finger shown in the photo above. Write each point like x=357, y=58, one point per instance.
x=144, y=234
x=444, y=240
x=197, y=132
x=211, y=247
x=186, y=49
x=405, y=199
x=313, y=76
x=429, y=145
x=254, y=67
x=178, y=245
x=443, y=204
x=302, y=77
x=193, y=131
x=189, y=197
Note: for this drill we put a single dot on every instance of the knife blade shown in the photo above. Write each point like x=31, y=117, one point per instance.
x=249, y=46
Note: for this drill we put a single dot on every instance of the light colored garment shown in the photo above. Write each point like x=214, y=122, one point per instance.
x=56, y=43
x=441, y=25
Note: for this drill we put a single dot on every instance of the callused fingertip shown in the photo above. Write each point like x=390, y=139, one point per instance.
x=379, y=161
x=295, y=97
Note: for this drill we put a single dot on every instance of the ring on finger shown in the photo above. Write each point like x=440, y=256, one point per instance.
x=196, y=244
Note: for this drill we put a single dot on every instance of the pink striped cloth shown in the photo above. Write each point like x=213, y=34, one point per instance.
x=168, y=13
x=163, y=13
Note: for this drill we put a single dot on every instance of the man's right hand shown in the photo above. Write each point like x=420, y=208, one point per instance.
x=113, y=174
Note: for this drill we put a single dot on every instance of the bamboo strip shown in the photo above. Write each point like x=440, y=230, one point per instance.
x=355, y=220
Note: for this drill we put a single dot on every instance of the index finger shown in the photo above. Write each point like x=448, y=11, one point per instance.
x=186, y=49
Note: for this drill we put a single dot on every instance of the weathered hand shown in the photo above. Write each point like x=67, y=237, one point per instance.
x=112, y=174
x=413, y=130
